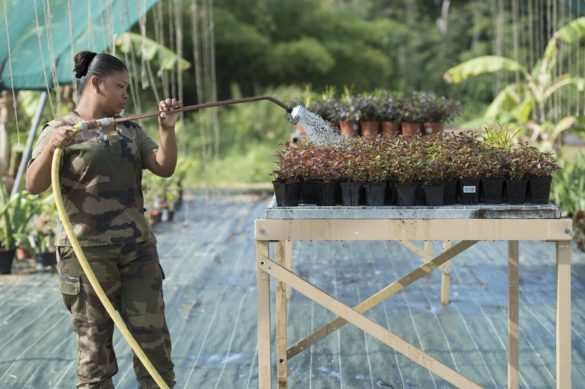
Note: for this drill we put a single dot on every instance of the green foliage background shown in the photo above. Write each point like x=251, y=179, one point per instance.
x=292, y=49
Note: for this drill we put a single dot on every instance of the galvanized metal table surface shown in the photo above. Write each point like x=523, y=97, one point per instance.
x=466, y=224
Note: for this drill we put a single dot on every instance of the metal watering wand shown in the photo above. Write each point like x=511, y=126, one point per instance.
x=294, y=114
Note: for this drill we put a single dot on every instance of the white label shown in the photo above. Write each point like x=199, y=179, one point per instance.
x=469, y=188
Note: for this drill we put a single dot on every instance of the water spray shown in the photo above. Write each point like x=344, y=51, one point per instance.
x=298, y=115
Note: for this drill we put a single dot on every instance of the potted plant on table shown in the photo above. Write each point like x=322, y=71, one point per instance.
x=542, y=166
x=390, y=109
x=493, y=174
x=368, y=106
x=286, y=182
x=375, y=173
x=405, y=174
x=353, y=172
x=516, y=183
x=470, y=166
x=412, y=116
x=436, y=111
x=432, y=173
x=349, y=115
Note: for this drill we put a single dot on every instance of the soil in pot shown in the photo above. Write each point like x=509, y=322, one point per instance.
x=349, y=128
x=539, y=189
x=450, y=192
x=434, y=194
x=350, y=193
x=6, y=258
x=375, y=193
x=370, y=129
x=516, y=191
x=405, y=194
x=390, y=130
x=410, y=129
x=492, y=190
x=469, y=191
x=287, y=193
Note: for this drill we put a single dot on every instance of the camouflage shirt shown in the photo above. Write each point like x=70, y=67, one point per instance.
x=101, y=183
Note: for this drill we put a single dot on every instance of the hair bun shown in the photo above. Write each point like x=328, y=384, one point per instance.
x=82, y=61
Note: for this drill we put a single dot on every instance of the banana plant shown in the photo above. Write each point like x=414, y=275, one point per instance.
x=524, y=101
x=150, y=51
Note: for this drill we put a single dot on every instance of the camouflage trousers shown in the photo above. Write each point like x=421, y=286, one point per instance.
x=132, y=278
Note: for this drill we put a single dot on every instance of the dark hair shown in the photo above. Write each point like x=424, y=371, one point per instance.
x=88, y=63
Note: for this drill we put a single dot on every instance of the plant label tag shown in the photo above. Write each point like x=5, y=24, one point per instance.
x=469, y=188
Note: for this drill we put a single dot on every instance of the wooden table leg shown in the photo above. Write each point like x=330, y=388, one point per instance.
x=446, y=276
x=513, y=315
x=281, y=342
x=563, y=314
x=288, y=263
x=263, y=291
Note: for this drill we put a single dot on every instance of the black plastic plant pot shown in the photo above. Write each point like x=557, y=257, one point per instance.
x=287, y=193
x=317, y=189
x=469, y=191
x=350, y=193
x=405, y=194
x=6, y=258
x=492, y=190
x=46, y=259
x=306, y=196
x=434, y=194
x=450, y=192
x=375, y=193
x=390, y=193
x=330, y=193
x=539, y=189
x=516, y=191
x=419, y=194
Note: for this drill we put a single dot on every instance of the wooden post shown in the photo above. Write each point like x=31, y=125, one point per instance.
x=445, y=275
x=563, y=314
x=288, y=263
x=263, y=291
x=281, y=367
x=513, y=315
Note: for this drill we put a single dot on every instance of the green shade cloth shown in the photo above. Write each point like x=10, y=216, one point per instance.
x=45, y=34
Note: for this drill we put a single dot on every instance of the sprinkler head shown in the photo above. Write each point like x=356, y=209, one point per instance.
x=297, y=113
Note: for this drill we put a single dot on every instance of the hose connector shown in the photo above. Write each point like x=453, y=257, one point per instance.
x=93, y=124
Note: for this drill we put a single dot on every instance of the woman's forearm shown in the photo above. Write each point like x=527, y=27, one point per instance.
x=166, y=156
x=38, y=174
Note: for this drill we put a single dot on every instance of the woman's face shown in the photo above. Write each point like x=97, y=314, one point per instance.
x=113, y=92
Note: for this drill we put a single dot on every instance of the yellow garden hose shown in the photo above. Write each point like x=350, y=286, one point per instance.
x=85, y=265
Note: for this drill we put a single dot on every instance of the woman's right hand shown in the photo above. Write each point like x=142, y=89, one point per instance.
x=61, y=138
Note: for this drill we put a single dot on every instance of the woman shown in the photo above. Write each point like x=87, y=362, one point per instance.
x=101, y=175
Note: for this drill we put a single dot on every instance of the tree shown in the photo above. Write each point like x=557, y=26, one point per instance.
x=525, y=101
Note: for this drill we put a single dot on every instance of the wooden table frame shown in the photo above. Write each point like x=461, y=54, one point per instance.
x=466, y=231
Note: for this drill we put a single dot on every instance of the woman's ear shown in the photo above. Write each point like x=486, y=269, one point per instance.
x=96, y=84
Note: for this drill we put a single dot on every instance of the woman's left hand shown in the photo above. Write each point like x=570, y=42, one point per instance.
x=167, y=120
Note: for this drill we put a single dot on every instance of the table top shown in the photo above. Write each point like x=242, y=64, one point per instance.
x=478, y=211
